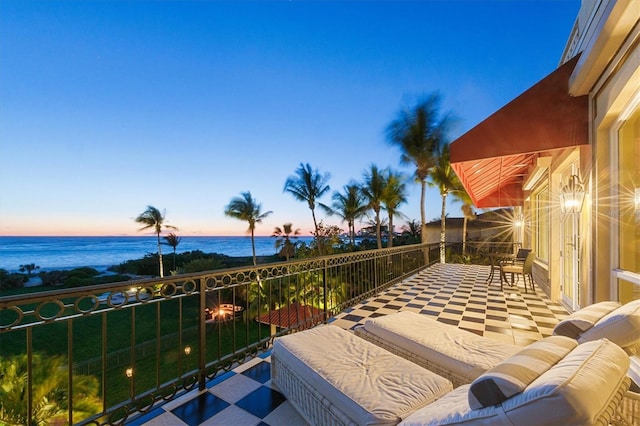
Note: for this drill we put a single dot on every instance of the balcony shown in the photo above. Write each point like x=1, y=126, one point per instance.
x=194, y=349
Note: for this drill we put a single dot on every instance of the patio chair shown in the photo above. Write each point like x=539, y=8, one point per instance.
x=520, y=268
x=332, y=377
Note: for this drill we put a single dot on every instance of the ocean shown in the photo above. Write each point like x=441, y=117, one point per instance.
x=50, y=253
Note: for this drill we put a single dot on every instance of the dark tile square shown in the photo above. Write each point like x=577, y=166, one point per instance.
x=354, y=318
x=424, y=299
x=478, y=332
x=452, y=311
x=200, y=409
x=261, y=401
x=402, y=299
x=455, y=303
x=429, y=312
x=381, y=300
x=368, y=308
x=473, y=319
x=415, y=305
x=260, y=372
x=496, y=317
x=395, y=307
x=449, y=321
x=440, y=305
x=376, y=315
x=476, y=310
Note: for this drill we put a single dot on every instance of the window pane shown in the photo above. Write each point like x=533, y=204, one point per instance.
x=541, y=225
x=629, y=184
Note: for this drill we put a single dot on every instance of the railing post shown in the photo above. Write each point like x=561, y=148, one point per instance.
x=325, y=287
x=202, y=341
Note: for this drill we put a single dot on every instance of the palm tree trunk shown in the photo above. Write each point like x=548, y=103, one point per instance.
x=378, y=231
x=443, y=231
x=390, y=241
x=253, y=248
x=423, y=214
x=464, y=235
x=160, y=256
x=315, y=225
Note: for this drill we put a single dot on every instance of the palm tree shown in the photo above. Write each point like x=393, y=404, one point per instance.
x=418, y=132
x=152, y=218
x=373, y=192
x=173, y=240
x=308, y=185
x=283, y=240
x=349, y=205
x=445, y=179
x=412, y=229
x=393, y=195
x=246, y=208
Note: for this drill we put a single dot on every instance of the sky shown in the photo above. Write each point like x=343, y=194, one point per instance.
x=107, y=107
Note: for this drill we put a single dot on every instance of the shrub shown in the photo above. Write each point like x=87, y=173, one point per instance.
x=11, y=280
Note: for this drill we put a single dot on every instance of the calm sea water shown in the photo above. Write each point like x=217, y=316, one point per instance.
x=101, y=252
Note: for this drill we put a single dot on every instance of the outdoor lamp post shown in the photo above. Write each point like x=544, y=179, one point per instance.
x=572, y=196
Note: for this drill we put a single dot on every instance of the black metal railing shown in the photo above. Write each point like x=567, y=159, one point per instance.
x=121, y=349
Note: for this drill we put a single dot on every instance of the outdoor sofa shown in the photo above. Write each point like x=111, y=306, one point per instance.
x=333, y=377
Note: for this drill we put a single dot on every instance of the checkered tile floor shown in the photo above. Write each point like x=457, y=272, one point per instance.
x=453, y=294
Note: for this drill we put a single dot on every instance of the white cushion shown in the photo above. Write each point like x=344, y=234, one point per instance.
x=367, y=383
x=622, y=327
x=460, y=351
x=578, y=322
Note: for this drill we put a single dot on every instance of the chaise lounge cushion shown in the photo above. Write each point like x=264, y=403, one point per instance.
x=621, y=326
x=579, y=389
x=514, y=374
x=455, y=352
x=366, y=383
x=580, y=321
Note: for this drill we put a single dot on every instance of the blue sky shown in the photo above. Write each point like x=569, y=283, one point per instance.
x=109, y=106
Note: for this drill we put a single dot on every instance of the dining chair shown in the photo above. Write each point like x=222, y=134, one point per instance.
x=520, y=268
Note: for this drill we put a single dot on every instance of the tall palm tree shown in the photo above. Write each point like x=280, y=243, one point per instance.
x=373, y=192
x=394, y=195
x=283, y=239
x=418, y=132
x=308, y=185
x=153, y=218
x=248, y=209
x=443, y=177
x=350, y=206
x=412, y=228
x=173, y=240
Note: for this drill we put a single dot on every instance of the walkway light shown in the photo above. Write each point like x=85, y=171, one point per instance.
x=572, y=196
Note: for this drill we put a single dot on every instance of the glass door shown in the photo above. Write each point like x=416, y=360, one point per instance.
x=570, y=261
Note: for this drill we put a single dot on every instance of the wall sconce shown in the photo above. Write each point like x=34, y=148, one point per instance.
x=572, y=196
x=636, y=199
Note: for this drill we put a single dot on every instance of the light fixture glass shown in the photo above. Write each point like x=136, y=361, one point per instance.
x=636, y=199
x=572, y=196
x=129, y=372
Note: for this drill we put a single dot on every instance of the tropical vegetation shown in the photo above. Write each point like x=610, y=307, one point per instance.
x=246, y=208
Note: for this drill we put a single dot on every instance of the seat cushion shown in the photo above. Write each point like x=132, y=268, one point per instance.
x=514, y=374
x=580, y=321
x=457, y=350
x=621, y=326
x=367, y=383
